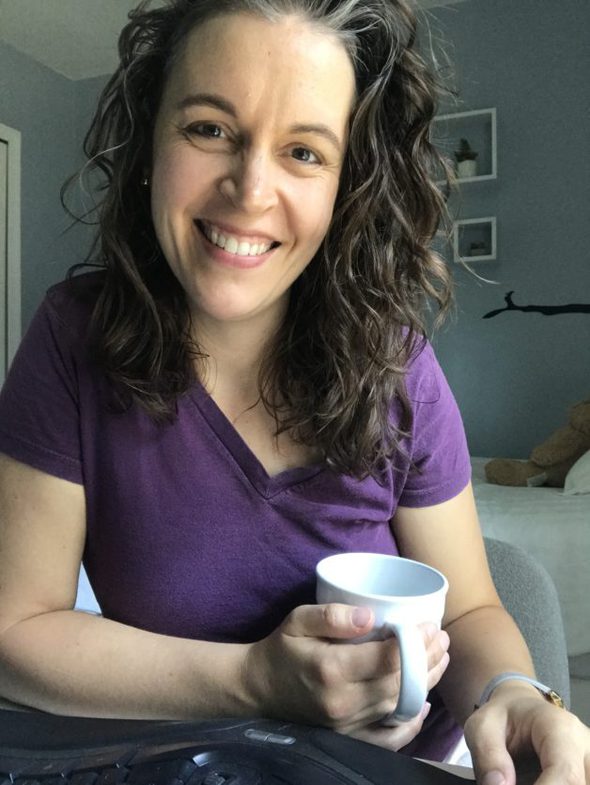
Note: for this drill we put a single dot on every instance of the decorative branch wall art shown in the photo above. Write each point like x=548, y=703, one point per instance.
x=546, y=310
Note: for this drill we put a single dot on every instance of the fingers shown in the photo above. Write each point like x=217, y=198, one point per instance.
x=557, y=746
x=557, y=737
x=437, y=657
x=375, y=659
x=334, y=620
x=485, y=734
x=366, y=678
x=391, y=738
x=436, y=672
x=354, y=684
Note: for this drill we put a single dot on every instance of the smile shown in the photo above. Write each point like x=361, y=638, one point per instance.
x=234, y=245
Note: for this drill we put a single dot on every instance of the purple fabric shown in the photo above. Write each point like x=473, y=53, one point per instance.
x=186, y=533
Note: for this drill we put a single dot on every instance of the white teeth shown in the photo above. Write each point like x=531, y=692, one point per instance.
x=232, y=245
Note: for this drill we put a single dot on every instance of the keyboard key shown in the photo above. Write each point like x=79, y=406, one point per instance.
x=112, y=776
x=230, y=772
x=162, y=772
x=213, y=778
x=53, y=781
x=83, y=778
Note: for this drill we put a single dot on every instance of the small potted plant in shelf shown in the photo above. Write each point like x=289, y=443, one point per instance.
x=466, y=160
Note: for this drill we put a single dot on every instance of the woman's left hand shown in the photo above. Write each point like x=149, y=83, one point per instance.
x=518, y=724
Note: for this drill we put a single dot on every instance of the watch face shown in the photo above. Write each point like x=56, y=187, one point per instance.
x=555, y=699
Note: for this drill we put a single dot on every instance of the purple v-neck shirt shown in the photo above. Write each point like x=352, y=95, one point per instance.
x=187, y=535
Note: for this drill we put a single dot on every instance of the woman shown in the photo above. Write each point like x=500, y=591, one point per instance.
x=243, y=389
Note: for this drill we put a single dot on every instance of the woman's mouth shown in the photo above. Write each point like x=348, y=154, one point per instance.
x=234, y=245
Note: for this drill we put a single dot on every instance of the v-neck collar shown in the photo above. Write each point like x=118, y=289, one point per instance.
x=268, y=486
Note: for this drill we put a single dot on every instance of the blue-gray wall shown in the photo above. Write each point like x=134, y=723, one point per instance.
x=516, y=374
x=42, y=106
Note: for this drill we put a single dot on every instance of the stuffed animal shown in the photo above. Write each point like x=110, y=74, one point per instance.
x=550, y=461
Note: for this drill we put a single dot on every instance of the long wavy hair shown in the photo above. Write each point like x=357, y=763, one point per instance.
x=358, y=312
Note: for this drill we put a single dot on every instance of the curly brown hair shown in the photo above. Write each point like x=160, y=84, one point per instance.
x=357, y=313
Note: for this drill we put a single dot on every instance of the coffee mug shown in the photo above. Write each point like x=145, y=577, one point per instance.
x=402, y=593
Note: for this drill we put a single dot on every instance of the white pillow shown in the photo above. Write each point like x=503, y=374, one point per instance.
x=578, y=478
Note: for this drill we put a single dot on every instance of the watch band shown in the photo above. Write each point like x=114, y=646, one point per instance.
x=548, y=693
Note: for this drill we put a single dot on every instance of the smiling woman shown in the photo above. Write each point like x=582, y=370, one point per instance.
x=269, y=132
x=248, y=151
x=243, y=388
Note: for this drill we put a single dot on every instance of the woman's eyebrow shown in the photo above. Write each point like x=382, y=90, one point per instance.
x=318, y=128
x=208, y=99
x=218, y=102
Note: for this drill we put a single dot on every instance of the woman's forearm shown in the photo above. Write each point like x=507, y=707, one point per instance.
x=67, y=662
x=484, y=643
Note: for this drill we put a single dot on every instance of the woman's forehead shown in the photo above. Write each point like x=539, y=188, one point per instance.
x=246, y=56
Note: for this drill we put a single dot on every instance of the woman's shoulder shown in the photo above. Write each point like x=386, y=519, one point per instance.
x=71, y=303
x=423, y=374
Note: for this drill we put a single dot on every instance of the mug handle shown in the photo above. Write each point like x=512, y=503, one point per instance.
x=413, y=672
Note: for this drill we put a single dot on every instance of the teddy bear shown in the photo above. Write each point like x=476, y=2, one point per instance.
x=551, y=460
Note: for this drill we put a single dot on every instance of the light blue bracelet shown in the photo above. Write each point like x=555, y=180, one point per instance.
x=549, y=694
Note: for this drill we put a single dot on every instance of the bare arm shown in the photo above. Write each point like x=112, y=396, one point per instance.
x=485, y=641
x=67, y=662
x=63, y=661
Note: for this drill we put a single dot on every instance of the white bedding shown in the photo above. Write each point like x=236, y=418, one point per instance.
x=553, y=528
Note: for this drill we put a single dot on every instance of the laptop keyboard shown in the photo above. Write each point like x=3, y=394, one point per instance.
x=190, y=765
x=37, y=749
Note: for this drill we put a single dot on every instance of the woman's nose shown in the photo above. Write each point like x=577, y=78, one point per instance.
x=251, y=185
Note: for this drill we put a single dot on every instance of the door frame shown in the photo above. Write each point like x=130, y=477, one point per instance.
x=12, y=137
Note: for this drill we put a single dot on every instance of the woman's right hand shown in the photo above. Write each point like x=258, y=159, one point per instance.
x=301, y=672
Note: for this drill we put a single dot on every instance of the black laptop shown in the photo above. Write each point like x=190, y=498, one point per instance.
x=42, y=749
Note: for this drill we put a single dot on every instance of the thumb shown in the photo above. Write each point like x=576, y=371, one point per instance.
x=486, y=739
x=333, y=620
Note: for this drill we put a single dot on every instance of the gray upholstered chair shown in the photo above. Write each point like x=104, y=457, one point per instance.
x=529, y=595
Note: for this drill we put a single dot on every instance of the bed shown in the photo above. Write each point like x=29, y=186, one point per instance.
x=555, y=529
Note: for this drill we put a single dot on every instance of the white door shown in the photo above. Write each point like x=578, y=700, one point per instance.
x=3, y=252
x=10, y=283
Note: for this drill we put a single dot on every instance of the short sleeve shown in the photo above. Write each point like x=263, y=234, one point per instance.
x=39, y=409
x=440, y=463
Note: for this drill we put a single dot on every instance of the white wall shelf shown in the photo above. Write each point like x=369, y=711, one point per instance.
x=479, y=127
x=475, y=240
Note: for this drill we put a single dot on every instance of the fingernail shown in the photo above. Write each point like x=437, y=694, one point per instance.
x=426, y=710
x=493, y=778
x=361, y=617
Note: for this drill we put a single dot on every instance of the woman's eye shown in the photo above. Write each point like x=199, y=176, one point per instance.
x=208, y=130
x=305, y=155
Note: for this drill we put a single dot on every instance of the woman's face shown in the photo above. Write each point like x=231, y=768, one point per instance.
x=248, y=148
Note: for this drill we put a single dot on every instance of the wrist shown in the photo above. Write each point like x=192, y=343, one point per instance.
x=514, y=687
x=507, y=682
x=252, y=681
x=217, y=682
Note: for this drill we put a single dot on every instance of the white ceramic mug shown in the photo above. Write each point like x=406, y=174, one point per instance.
x=402, y=594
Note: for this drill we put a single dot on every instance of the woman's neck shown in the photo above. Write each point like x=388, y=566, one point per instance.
x=234, y=352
